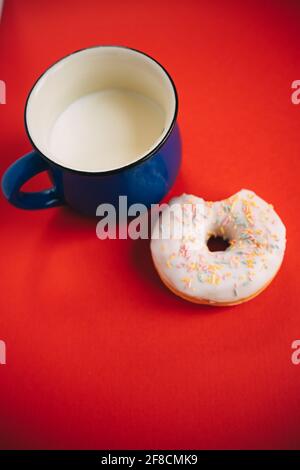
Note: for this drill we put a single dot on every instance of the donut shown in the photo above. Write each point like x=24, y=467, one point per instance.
x=256, y=240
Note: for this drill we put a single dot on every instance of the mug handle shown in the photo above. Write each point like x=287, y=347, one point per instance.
x=21, y=171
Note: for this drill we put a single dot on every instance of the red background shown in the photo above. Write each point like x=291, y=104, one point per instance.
x=99, y=353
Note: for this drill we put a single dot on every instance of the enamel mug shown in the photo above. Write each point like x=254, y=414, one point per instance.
x=79, y=182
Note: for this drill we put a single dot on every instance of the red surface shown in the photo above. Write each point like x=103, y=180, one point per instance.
x=99, y=353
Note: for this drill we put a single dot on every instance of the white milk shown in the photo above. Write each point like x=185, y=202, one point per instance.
x=106, y=130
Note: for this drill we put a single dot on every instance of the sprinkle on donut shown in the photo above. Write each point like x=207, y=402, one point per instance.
x=256, y=237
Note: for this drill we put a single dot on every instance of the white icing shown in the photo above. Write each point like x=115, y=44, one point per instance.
x=256, y=234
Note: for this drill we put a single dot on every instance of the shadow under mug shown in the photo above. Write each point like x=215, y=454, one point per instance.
x=145, y=180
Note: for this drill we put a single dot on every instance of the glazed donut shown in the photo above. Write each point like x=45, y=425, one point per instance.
x=256, y=239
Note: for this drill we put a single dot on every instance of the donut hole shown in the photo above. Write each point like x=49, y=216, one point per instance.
x=217, y=243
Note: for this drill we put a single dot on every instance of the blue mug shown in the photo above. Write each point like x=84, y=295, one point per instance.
x=83, y=182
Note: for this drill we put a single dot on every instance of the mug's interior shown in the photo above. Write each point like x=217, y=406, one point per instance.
x=89, y=71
